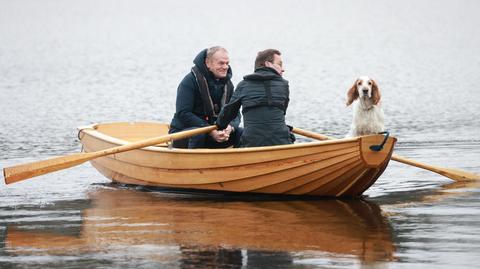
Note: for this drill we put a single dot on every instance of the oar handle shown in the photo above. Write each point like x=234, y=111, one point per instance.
x=155, y=141
x=311, y=134
x=23, y=171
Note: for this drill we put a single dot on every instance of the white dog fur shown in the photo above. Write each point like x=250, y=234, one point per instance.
x=367, y=113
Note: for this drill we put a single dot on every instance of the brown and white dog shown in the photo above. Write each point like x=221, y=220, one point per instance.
x=367, y=113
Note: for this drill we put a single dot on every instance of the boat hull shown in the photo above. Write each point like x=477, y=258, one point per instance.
x=336, y=168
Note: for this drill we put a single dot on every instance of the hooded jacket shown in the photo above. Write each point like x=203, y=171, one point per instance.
x=264, y=98
x=190, y=105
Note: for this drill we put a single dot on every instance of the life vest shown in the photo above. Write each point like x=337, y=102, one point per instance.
x=268, y=93
x=270, y=102
x=211, y=110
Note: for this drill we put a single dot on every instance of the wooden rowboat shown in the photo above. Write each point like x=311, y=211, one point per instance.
x=336, y=168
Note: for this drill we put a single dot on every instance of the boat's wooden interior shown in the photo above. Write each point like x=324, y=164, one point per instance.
x=132, y=131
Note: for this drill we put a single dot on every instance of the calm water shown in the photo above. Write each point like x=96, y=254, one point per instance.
x=65, y=64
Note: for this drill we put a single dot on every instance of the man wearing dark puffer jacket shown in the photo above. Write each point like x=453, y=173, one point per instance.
x=264, y=97
x=200, y=97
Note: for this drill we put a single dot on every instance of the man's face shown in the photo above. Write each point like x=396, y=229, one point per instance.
x=218, y=64
x=277, y=64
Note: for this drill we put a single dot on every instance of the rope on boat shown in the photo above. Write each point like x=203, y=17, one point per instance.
x=380, y=146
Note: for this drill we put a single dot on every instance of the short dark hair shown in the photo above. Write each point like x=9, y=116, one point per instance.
x=265, y=56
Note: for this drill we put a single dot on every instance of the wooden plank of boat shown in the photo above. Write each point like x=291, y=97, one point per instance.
x=343, y=167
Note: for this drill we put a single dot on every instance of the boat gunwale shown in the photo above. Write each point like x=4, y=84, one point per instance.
x=92, y=131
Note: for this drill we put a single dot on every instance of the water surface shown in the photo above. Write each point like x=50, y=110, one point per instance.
x=65, y=64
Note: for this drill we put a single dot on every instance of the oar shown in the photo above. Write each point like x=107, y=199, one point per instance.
x=455, y=174
x=23, y=171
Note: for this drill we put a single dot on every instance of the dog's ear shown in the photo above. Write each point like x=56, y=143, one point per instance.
x=352, y=93
x=375, y=93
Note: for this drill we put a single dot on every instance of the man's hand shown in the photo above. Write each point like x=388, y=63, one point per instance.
x=219, y=136
x=223, y=135
x=228, y=130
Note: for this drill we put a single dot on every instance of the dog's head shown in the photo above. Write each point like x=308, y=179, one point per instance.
x=366, y=88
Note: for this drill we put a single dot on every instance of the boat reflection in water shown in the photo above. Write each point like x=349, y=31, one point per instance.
x=183, y=230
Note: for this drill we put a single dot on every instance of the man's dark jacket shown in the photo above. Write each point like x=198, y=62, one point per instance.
x=190, y=111
x=264, y=97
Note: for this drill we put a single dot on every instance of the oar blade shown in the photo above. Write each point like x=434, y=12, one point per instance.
x=459, y=175
x=24, y=171
x=455, y=174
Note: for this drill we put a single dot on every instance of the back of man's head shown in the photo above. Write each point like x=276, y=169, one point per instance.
x=265, y=56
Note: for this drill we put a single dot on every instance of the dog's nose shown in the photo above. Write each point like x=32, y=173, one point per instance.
x=365, y=91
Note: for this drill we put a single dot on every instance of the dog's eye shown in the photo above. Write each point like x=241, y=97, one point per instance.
x=369, y=83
